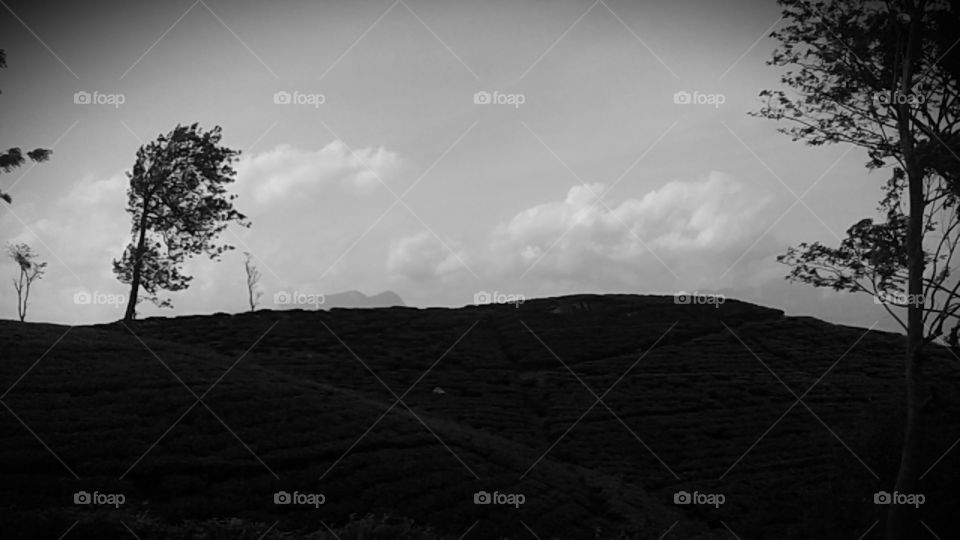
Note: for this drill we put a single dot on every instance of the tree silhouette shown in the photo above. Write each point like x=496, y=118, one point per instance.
x=883, y=76
x=253, y=279
x=179, y=205
x=31, y=269
x=14, y=157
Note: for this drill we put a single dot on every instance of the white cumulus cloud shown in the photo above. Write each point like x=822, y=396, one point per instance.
x=287, y=172
x=683, y=234
x=423, y=256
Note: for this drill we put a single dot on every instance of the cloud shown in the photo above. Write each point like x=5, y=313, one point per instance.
x=684, y=234
x=423, y=256
x=289, y=173
x=672, y=230
x=709, y=214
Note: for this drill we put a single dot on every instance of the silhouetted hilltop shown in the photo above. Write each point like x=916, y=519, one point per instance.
x=356, y=299
x=696, y=398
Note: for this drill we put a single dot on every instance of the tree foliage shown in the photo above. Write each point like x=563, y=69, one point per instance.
x=13, y=158
x=844, y=65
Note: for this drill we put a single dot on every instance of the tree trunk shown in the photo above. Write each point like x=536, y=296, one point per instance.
x=131, y=312
x=899, y=522
x=21, y=304
x=898, y=516
x=26, y=298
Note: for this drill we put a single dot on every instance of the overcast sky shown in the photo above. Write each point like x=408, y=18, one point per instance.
x=383, y=172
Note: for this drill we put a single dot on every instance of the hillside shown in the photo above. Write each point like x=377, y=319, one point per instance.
x=208, y=416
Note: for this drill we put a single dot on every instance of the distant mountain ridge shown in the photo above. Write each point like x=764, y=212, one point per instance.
x=356, y=299
x=352, y=299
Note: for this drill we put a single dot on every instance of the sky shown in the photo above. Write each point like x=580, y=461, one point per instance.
x=441, y=150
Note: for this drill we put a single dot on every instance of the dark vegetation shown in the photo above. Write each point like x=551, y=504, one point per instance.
x=300, y=397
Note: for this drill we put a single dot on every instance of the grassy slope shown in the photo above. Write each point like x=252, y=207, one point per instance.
x=684, y=414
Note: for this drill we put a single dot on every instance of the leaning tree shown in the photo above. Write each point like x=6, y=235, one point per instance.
x=883, y=75
x=179, y=205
